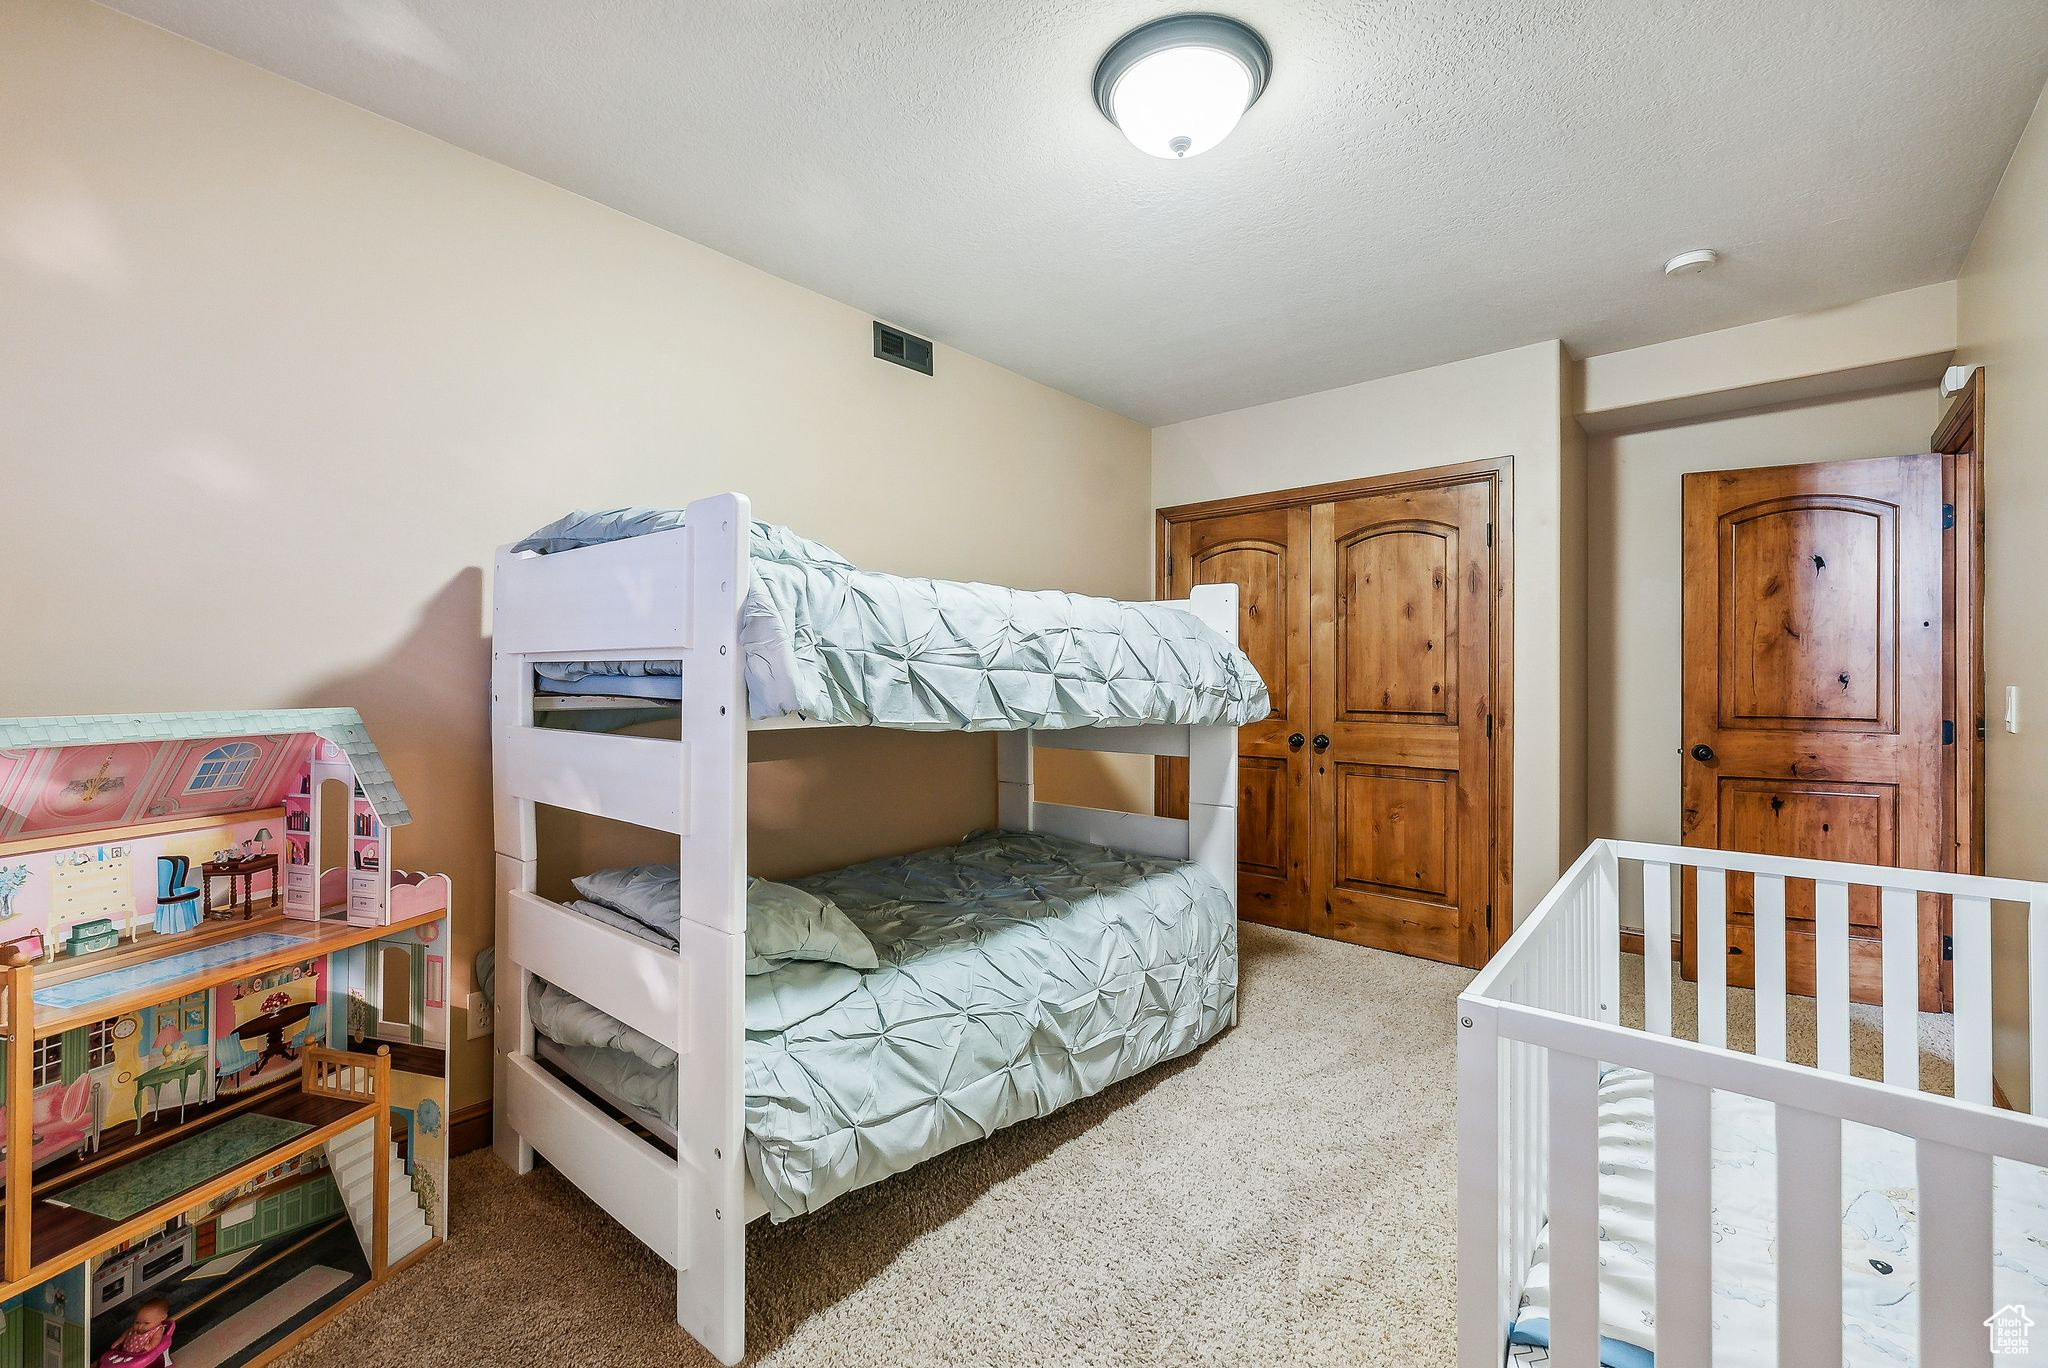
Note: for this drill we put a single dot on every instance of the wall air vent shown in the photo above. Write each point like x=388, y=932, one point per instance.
x=902, y=348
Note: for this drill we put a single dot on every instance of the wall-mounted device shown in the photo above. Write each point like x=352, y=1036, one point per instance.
x=893, y=344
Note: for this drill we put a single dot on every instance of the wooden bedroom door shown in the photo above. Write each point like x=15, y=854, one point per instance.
x=1813, y=695
x=1401, y=849
x=1264, y=553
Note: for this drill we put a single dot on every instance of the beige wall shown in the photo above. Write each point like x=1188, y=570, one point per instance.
x=2002, y=325
x=1634, y=594
x=1888, y=342
x=276, y=375
x=1507, y=404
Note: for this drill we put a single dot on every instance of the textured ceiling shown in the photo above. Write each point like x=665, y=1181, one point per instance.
x=1424, y=179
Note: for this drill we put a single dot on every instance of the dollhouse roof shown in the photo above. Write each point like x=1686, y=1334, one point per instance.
x=161, y=751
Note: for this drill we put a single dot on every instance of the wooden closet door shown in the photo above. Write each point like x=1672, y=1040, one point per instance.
x=1403, y=664
x=1813, y=691
x=1264, y=553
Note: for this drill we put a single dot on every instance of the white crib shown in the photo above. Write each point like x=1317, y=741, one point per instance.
x=1542, y=1020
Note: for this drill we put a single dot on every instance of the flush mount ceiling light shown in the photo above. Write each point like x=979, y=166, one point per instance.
x=1178, y=85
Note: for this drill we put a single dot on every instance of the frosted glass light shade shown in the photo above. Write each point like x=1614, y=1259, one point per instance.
x=1182, y=101
x=1177, y=86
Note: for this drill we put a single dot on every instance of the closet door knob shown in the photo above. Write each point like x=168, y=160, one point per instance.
x=1321, y=743
x=1294, y=741
x=1703, y=753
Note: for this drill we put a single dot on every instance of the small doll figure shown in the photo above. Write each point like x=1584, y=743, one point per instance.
x=148, y=1338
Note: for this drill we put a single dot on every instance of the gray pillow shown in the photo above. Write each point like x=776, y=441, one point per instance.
x=783, y=923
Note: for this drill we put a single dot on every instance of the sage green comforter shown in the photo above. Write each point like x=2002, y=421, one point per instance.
x=833, y=643
x=1018, y=973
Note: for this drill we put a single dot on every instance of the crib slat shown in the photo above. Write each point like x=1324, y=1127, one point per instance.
x=1955, y=1254
x=1970, y=922
x=1574, y=1209
x=1899, y=925
x=1684, y=1216
x=2037, y=1013
x=1769, y=922
x=1831, y=974
x=1609, y=909
x=1657, y=948
x=1809, y=1238
x=1710, y=923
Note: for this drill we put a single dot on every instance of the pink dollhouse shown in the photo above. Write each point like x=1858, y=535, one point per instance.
x=124, y=829
x=209, y=964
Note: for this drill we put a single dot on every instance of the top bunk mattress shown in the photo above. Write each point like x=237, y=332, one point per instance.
x=835, y=644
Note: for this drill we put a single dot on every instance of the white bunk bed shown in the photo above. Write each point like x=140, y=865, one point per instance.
x=677, y=595
x=1541, y=1045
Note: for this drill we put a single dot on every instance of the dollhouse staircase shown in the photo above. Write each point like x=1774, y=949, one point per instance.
x=352, y=1157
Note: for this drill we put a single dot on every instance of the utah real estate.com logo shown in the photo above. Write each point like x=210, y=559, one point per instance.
x=2009, y=1327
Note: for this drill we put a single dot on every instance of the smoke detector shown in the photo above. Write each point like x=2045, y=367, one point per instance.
x=1691, y=263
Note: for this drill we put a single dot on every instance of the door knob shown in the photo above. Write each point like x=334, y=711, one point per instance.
x=1294, y=741
x=1703, y=753
x=1321, y=743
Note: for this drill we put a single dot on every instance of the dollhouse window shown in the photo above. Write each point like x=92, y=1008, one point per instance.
x=224, y=767
x=49, y=1061
x=99, y=1043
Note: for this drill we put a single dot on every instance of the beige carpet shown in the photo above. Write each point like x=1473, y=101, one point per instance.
x=1285, y=1196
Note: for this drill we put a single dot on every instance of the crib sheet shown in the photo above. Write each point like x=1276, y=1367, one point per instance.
x=1880, y=1223
x=1019, y=972
x=837, y=644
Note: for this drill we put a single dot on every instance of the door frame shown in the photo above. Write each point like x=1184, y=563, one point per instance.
x=1960, y=437
x=1499, y=476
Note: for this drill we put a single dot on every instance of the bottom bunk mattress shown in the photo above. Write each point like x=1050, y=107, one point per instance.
x=1880, y=1238
x=1016, y=973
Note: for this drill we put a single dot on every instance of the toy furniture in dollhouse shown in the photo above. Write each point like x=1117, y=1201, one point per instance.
x=115, y=993
x=87, y=936
x=239, y=872
x=177, y=902
x=64, y=1120
x=232, y=1058
x=150, y=1084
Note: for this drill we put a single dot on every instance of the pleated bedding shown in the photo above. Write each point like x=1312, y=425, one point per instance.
x=1880, y=1239
x=841, y=645
x=1018, y=973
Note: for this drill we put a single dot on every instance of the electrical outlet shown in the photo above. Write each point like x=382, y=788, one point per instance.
x=480, y=1022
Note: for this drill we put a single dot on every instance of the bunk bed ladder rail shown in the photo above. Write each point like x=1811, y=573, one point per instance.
x=620, y=601
x=1542, y=1020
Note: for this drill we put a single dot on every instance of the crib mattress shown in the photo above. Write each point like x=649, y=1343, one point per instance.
x=836, y=644
x=1018, y=973
x=1880, y=1227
